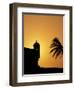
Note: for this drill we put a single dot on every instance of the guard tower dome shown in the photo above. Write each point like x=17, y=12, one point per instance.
x=37, y=49
x=36, y=45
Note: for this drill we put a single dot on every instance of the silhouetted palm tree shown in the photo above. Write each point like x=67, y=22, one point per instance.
x=56, y=47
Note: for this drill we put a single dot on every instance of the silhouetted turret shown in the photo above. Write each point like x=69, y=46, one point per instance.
x=37, y=49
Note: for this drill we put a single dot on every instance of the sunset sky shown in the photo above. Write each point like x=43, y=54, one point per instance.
x=44, y=28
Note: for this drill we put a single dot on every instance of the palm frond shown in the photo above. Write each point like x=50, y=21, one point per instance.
x=53, y=49
x=58, y=53
x=54, y=54
x=56, y=47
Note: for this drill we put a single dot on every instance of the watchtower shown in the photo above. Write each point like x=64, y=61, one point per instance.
x=37, y=49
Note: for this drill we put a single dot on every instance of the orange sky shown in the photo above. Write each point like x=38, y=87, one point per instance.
x=44, y=28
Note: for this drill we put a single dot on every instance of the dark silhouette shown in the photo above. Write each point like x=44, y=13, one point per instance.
x=31, y=57
x=56, y=48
